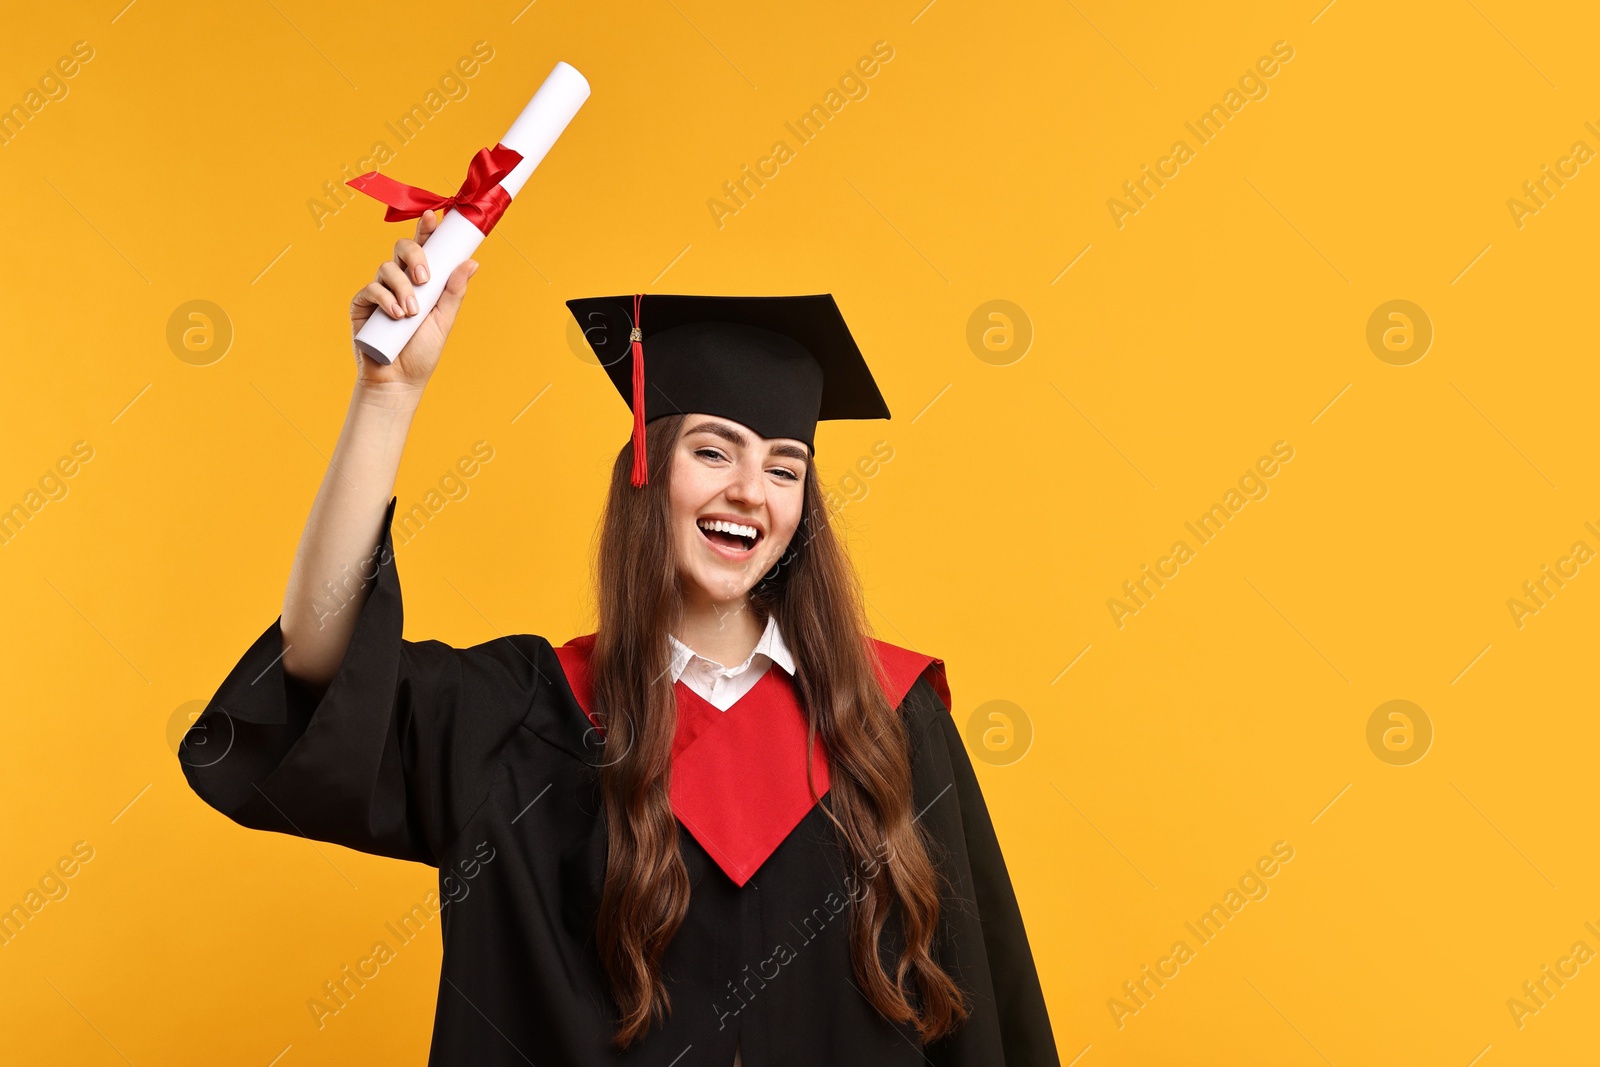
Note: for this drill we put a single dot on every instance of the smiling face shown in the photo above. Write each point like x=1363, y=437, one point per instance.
x=736, y=503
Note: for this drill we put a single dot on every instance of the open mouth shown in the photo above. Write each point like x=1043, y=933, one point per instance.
x=734, y=536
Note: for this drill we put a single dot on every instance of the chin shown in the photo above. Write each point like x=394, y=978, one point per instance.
x=714, y=591
x=713, y=574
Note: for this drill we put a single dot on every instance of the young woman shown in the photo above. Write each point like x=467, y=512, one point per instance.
x=645, y=856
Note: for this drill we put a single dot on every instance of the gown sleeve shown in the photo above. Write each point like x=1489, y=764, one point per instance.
x=984, y=942
x=395, y=757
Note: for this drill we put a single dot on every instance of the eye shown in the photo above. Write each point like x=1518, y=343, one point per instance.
x=709, y=453
x=788, y=474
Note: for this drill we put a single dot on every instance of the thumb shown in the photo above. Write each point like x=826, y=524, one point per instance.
x=455, y=288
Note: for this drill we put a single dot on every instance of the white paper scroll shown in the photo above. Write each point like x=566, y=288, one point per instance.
x=535, y=130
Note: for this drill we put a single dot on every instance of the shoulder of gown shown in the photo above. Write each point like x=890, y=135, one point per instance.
x=983, y=941
x=900, y=668
x=397, y=753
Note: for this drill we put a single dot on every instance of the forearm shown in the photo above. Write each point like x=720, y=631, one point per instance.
x=334, y=565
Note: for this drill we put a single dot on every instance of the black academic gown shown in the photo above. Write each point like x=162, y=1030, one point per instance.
x=445, y=756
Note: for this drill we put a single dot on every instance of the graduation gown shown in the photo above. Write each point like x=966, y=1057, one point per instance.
x=482, y=762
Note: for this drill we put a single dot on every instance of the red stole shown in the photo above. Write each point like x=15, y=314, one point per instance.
x=739, y=776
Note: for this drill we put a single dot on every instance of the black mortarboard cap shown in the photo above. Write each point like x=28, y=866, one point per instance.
x=777, y=364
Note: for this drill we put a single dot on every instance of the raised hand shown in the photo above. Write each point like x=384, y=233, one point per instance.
x=393, y=290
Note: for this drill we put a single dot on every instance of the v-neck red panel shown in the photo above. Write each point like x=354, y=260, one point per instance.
x=738, y=780
x=739, y=776
x=696, y=714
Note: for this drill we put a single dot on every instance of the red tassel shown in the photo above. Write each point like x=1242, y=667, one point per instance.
x=641, y=466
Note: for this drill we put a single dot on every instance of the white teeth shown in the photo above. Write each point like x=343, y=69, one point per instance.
x=728, y=527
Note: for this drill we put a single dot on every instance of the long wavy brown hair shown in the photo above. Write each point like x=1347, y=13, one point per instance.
x=816, y=597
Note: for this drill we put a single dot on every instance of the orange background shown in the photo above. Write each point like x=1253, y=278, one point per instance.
x=1028, y=481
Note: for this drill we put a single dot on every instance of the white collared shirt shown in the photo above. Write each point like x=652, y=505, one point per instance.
x=722, y=686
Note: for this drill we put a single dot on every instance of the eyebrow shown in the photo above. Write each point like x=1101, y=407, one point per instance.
x=733, y=436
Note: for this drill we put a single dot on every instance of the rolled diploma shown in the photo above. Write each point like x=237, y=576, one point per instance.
x=455, y=239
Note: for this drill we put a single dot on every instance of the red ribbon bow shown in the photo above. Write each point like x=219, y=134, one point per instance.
x=480, y=199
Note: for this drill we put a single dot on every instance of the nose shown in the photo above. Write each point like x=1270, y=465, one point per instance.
x=746, y=485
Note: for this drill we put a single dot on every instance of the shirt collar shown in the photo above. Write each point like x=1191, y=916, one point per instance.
x=770, y=645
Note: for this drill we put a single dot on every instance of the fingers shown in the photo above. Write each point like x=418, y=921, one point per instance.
x=376, y=295
x=394, y=279
x=408, y=267
x=394, y=288
x=427, y=222
x=410, y=258
x=408, y=253
x=454, y=289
